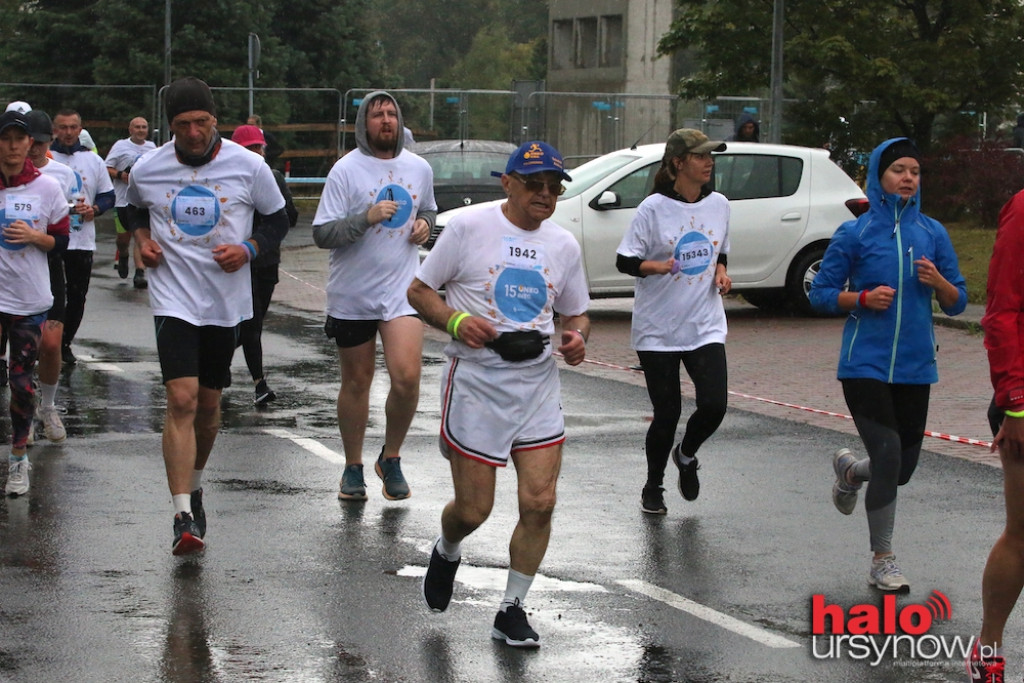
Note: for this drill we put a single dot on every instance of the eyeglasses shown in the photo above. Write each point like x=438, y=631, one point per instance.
x=555, y=187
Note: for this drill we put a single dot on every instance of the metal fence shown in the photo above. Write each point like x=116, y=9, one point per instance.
x=314, y=126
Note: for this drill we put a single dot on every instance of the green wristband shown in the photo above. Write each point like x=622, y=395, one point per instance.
x=1014, y=413
x=454, y=322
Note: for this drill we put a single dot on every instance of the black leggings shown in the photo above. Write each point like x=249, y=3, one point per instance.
x=890, y=419
x=77, y=271
x=250, y=332
x=707, y=369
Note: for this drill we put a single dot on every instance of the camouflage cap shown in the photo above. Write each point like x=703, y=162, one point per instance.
x=690, y=141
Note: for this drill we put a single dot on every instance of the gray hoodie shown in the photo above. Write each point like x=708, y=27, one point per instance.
x=348, y=229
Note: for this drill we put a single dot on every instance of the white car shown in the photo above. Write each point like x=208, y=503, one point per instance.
x=786, y=202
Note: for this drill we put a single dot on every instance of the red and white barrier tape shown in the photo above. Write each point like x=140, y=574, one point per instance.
x=936, y=435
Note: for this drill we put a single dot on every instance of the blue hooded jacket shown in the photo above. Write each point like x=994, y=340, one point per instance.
x=897, y=345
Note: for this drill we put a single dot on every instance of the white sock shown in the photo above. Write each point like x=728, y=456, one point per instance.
x=449, y=551
x=197, y=480
x=47, y=394
x=16, y=458
x=182, y=503
x=516, y=589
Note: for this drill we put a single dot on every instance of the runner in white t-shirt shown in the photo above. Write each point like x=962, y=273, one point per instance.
x=122, y=156
x=191, y=205
x=506, y=271
x=94, y=196
x=33, y=221
x=377, y=206
x=41, y=128
x=676, y=247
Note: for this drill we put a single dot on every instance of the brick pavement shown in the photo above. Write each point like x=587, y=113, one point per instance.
x=772, y=358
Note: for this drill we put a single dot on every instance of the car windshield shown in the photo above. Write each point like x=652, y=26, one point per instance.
x=594, y=170
x=460, y=166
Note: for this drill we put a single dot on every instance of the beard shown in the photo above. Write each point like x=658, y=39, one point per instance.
x=383, y=141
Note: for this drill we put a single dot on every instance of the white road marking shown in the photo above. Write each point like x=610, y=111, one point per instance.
x=700, y=611
x=311, y=445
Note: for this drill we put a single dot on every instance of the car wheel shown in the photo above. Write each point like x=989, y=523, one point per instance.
x=765, y=299
x=801, y=276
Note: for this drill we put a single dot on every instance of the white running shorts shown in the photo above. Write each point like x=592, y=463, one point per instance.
x=488, y=413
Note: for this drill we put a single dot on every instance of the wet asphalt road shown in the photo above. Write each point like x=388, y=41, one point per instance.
x=295, y=586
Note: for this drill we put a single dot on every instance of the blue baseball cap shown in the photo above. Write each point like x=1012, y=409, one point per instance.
x=535, y=157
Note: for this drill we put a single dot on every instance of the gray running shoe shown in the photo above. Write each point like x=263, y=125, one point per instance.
x=844, y=495
x=352, y=485
x=886, y=575
x=390, y=472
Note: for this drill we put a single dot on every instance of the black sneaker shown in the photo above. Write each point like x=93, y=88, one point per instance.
x=264, y=394
x=122, y=264
x=187, y=538
x=66, y=355
x=139, y=281
x=198, y=513
x=512, y=627
x=652, y=500
x=439, y=581
x=689, y=485
x=390, y=472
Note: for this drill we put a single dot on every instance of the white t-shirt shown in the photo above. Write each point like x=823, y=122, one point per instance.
x=123, y=154
x=193, y=209
x=368, y=279
x=64, y=176
x=684, y=311
x=93, y=179
x=24, y=272
x=515, y=278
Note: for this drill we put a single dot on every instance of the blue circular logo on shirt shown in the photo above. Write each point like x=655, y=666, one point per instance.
x=399, y=194
x=521, y=294
x=195, y=210
x=693, y=252
x=3, y=241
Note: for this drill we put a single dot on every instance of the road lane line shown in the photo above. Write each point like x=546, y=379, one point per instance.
x=700, y=611
x=311, y=445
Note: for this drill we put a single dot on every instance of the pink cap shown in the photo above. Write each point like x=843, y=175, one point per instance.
x=247, y=135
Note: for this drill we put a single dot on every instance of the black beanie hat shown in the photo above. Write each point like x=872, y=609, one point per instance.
x=188, y=94
x=897, y=150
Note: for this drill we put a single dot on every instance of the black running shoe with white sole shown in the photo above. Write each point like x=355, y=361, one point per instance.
x=439, y=580
x=652, y=500
x=512, y=627
x=689, y=485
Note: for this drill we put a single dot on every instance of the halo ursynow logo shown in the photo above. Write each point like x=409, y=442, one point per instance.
x=878, y=632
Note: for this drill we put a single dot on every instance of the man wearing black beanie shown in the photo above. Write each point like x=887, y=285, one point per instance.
x=191, y=206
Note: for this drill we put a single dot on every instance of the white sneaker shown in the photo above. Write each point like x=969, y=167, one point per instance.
x=53, y=426
x=17, y=477
x=886, y=575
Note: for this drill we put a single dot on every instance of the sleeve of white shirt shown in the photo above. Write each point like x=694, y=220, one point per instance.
x=441, y=264
x=267, y=197
x=634, y=240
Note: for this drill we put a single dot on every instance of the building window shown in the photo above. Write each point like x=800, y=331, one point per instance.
x=611, y=40
x=587, y=42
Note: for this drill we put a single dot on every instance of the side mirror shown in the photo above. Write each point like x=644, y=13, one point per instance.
x=608, y=200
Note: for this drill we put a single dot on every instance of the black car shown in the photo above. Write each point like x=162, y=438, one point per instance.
x=462, y=170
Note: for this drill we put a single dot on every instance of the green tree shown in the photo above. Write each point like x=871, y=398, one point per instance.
x=859, y=70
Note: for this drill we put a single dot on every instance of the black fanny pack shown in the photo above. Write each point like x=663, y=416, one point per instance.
x=517, y=346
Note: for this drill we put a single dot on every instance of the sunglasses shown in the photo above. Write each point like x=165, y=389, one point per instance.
x=555, y=187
